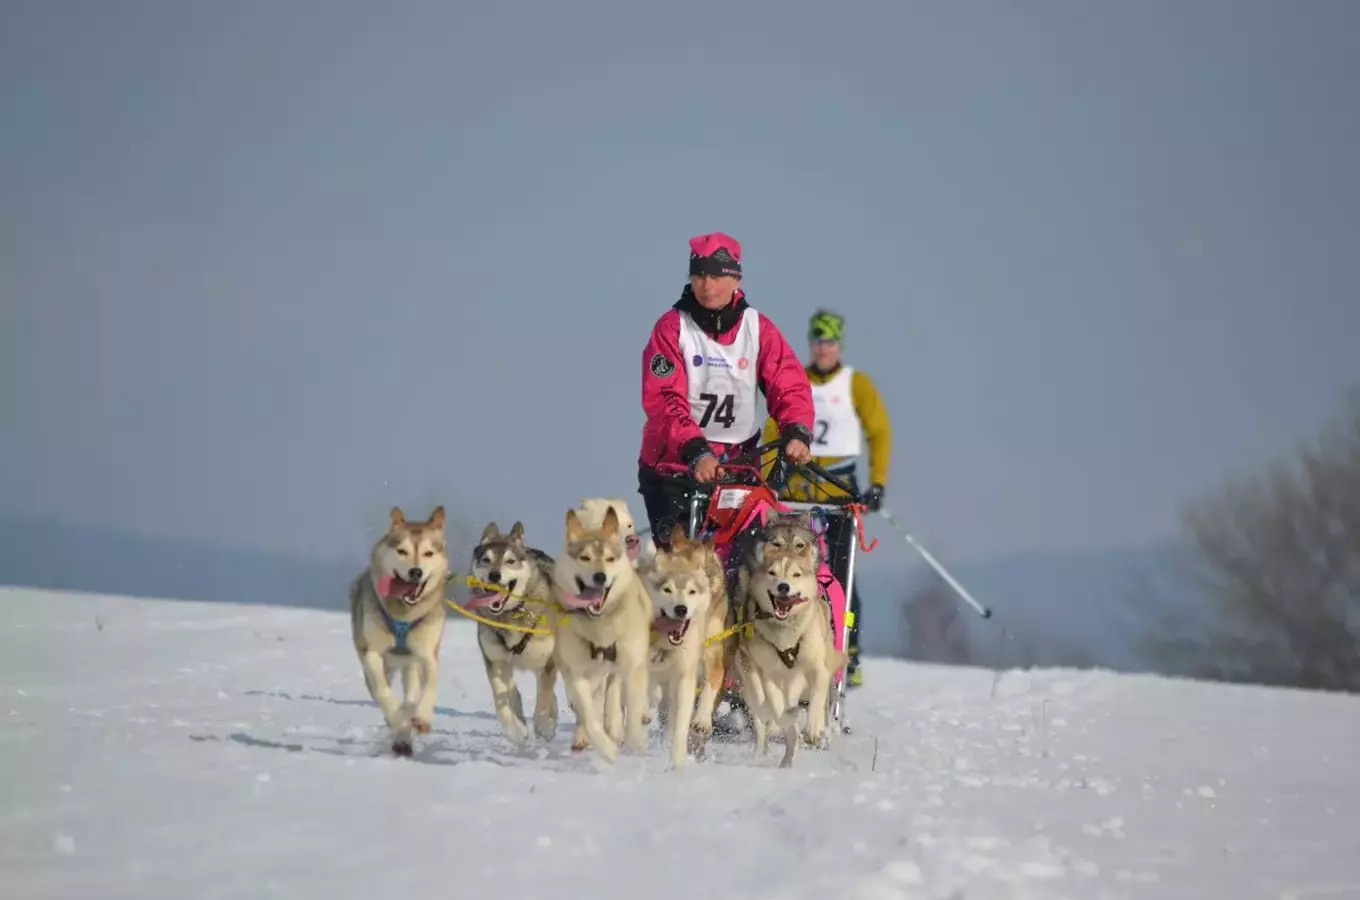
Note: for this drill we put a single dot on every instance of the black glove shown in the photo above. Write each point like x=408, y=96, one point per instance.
x=794, y=432
x=874, y=499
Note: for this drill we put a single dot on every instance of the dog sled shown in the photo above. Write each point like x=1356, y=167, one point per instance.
x=735, y=507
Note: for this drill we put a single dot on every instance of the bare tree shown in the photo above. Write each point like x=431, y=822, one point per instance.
x=1277, y=564
x=933, y=630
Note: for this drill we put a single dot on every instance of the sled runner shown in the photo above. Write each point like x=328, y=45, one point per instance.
x=734, y=508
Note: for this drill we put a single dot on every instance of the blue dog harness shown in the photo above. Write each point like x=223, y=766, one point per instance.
x=400, y=629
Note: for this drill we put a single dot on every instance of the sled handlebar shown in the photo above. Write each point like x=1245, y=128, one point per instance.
x=745, y=474
x=816, y=469
x=746, y=463
x=678, y=474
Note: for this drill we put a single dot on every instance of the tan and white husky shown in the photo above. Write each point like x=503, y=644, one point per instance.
x=689, y=604
x=396, y=609
x=790, y=654
x=517, y=589
x=603, y=641
x=591, y=513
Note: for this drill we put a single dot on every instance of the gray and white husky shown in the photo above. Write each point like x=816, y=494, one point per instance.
x=516, y=589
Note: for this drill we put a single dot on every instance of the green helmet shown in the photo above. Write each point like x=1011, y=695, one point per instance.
x=826, y=325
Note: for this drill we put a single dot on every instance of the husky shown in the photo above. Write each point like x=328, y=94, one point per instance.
x=790, y=653
x=688, y=590
x=791, y=532
x=604, y=640
x=516, y=589
x=396, y=609
x=788, y=531
x=591, y=513
x=641, y=552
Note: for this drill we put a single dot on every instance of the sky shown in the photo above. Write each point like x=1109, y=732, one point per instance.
x=269, y=268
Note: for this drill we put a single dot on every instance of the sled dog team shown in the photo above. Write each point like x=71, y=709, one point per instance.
x=630, y=629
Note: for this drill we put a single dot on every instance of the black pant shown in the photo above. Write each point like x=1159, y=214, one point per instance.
x=840, y=537
x=841, y=534
x=667, y=505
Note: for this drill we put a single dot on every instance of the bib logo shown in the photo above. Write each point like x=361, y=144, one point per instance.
x=743, y=363
x=719, y=362
x=698, y=360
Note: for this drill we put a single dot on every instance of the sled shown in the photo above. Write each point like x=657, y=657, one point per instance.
x=734, y=507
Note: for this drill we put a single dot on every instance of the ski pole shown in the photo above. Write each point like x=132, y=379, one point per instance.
x=935, y=564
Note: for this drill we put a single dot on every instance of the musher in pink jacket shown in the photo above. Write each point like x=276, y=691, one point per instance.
x=707, y=360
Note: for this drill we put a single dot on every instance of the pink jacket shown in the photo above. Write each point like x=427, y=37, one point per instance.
x=670, y=433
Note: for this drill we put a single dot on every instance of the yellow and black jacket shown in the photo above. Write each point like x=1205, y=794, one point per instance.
x=873, y=418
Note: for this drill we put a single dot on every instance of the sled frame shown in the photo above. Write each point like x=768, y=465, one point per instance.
x=703, y=497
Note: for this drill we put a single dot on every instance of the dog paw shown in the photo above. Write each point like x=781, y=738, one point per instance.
x=546, y=729
x=419, y=725
x=819, y=741
x=646, y=718
x=579, y=746
x=403, y=749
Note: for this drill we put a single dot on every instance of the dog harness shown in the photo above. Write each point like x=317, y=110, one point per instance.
x=609, y=653
x=787, y=657
x=519, y=646
x=400, y=629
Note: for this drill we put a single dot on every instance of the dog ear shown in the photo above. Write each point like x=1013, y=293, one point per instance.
x=436, y=519
x=574, y=529
x=611, y=523
x=678, y=537
x=517, y=533
x=490, y=532
x=397, y=519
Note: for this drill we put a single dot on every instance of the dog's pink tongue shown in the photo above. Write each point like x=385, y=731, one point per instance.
x=667, y=624
x=392, y=586
x=581, y=601
x=477, y=601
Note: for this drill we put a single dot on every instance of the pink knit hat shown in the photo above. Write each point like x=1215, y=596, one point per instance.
x=715, y=254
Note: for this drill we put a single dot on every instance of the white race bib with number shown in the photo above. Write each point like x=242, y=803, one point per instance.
x=723, y=393
x=837, y=430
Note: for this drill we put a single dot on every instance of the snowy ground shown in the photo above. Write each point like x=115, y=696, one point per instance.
x=160, y=749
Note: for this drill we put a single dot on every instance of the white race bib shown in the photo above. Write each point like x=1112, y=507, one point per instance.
x=723, y=393
x=837, y=430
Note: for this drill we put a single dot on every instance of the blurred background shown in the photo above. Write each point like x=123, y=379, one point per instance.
x=269, y=269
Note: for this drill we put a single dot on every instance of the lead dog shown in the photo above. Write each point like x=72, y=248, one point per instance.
x=396, y=609
x=604, y=640
x=517, y=590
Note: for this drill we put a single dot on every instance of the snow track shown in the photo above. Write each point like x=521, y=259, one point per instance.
x=163, y=749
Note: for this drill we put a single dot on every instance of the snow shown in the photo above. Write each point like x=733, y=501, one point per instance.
x=167, y=749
